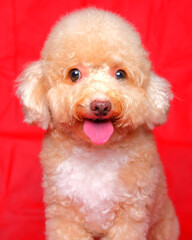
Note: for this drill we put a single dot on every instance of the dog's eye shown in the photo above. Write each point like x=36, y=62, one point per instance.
x=120, y=74
x=74, y=74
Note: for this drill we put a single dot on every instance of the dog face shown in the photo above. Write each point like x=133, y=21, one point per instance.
x=94, y=77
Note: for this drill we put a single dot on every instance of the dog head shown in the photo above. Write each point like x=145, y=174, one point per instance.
x=94, y=77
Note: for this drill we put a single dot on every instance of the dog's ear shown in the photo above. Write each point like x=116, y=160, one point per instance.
x=159, y=95
x=32, y=93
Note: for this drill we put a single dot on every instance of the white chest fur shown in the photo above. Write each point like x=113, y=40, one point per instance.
x=90, y=178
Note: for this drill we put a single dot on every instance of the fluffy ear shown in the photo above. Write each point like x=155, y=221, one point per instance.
x=159, y=95
x=32, y=93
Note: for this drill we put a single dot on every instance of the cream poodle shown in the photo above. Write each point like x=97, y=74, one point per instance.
x=94, y=91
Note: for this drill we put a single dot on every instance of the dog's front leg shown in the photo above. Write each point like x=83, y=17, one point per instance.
x=60, y=229
x=64, y=223
x=129, y=225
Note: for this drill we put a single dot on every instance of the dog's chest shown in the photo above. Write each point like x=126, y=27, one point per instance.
x=90, y=179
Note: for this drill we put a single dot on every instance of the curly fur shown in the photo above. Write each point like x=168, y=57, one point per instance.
x=111, y=191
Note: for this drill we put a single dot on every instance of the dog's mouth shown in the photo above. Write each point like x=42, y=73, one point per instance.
x=98, y=130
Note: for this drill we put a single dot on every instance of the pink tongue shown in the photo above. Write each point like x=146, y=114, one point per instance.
x=99, y=133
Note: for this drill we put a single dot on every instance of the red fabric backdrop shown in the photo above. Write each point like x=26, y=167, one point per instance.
x=166, y=30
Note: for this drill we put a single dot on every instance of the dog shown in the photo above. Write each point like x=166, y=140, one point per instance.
x=95, y=93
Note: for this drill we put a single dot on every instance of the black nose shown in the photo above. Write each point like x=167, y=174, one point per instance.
x=100, y=108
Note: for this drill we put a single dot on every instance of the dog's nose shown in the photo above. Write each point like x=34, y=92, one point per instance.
x=100, y=108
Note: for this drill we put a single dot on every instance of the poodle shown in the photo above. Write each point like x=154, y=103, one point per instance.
x=95, y=93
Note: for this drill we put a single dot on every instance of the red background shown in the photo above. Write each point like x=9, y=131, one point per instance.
x=166, y=30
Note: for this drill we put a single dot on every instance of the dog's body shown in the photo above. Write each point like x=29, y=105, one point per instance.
x=95, y=92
